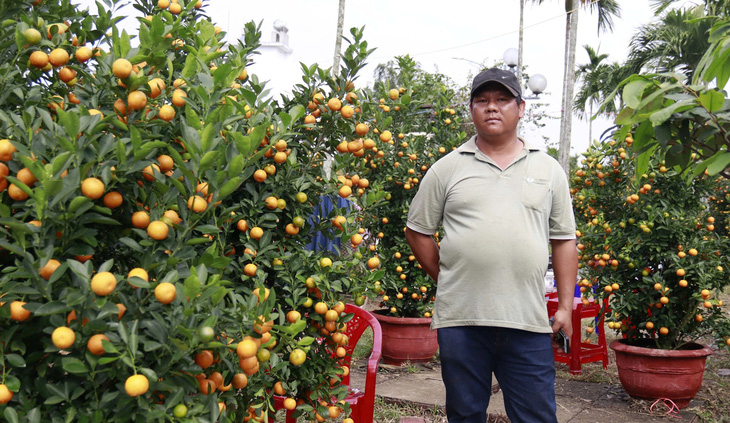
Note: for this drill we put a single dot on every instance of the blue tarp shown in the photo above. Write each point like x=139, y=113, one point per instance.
x=320, y=241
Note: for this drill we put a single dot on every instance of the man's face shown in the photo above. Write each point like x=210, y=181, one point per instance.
x=495, y=111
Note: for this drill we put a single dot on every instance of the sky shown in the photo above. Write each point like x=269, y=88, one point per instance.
x=454, y=37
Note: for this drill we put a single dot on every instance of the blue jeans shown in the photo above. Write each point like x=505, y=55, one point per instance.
x=522, y=361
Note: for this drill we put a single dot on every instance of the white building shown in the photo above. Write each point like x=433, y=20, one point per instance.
x=277, y=64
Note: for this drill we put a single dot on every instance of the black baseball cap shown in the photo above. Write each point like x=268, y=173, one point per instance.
x=500, y=76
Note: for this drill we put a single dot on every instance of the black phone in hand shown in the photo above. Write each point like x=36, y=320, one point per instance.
x=560, y=338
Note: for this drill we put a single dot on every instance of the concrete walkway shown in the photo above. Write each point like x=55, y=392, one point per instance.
x=578, y=402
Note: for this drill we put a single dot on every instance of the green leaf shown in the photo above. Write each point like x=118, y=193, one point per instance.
x=208, y=229
x=23, y=187
x=191, y=67
x=20, y=41
x=121, y=156
x=11, y=247
x=151, y=346
x=54, y=307
x=230, y=186
x=258, y=134
x=197, y=241
x=644, y=145
x=78, y=268
x=180, y=187
x=134, y=338
x=70, y=122
x=123, y=333
x=135, y=137
x=192, y=286
x=719, y=162
x=294, y=328
x=129, y=242
x=34, y=415
x=11, y=416
x=104, y=220
x=59, y=162
x=208, y=160
x=206, y=137
x=54, y=399
x=286, y=119
x=15, y=360
x=659, y=117
x=712, y=100
x=138, y=282
x=192, y=118
x=633, y=92
x=174, y=397
x=181, y=163
x=307, y=340
x=236, y=165
x=243, y=143
x=119, y=124
x=12, y=382
x=124, y=45
x=222, y=73
x=73, y=365
x=78, y=202
x=109, y=347
x=107, y=360
x=296, y=113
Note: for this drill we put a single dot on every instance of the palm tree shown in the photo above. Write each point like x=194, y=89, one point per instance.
x=607, y=9
x=712, y=7
x=674, y=43
x=338, y=39
x=590, y=90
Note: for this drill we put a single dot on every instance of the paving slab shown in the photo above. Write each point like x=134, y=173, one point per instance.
x=424, y=388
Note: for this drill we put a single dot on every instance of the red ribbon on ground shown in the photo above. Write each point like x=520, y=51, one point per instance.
x=673, y=409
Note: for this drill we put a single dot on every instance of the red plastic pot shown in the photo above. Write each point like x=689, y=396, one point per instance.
x=406, y=339
x=651, y=373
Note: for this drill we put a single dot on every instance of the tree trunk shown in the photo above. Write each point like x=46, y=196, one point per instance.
x=590, y=123
x=519, y=58
x=519, y=45
x=338, y=40
x=571, y=29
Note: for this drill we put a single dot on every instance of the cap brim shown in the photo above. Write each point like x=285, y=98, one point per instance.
x=495, y=81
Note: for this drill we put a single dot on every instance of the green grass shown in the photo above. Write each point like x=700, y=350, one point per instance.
x=392, y=412
x=364, y=346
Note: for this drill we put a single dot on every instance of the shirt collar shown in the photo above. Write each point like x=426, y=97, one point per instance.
x=471, y=146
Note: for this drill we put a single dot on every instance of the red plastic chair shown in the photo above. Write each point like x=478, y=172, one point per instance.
x=362, y=403
x=581, y=352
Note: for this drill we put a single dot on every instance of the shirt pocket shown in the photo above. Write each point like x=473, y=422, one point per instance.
x=535, y=194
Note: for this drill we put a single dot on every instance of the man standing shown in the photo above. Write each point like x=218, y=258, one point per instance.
x=501, y=205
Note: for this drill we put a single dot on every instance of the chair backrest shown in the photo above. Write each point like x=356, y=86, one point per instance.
x=361, y=320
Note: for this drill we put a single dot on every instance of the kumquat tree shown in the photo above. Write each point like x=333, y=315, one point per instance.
x=156, y=209
x=409, y=127
x=651, y=206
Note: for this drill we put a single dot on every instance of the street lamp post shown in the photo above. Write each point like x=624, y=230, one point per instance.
x=536, y=84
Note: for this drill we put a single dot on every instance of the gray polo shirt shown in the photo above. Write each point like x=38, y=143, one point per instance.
x=497, y=224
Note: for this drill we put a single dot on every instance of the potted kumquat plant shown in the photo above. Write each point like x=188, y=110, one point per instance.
x=647, y=244
x=650, y=240
x=408, y=131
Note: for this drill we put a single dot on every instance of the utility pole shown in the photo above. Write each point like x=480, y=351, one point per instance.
x=338, y=40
